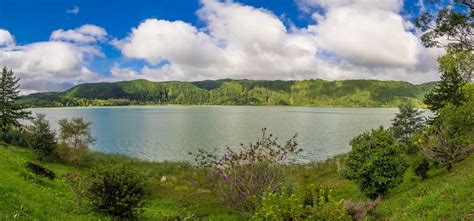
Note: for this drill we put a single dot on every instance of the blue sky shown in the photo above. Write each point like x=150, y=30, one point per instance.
x=55, y=44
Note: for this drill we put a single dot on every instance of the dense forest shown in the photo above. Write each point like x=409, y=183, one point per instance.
x=348, y=93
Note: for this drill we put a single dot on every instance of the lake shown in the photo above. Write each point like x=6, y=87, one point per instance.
x=168, y=133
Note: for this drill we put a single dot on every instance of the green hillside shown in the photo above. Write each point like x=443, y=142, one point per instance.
x=349, y=93
x=443, y=196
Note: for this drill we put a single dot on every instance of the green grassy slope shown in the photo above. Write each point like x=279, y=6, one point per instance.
x=186, y=193
x=352, y=93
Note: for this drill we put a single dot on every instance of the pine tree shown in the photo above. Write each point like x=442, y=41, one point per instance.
x=407, y=122
x=10, y=112
x=44, y=139
x=450, y=88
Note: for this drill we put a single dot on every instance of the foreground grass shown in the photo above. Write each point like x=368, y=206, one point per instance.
x=187, y=194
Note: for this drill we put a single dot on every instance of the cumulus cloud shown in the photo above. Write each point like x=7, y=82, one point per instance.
x=351, y=39
x=50, y=65
x=6, y=38
x=366, y=33
x=84, y=34
x=178, y=42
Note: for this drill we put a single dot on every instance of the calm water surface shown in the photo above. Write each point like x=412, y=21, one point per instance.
x=168, y=133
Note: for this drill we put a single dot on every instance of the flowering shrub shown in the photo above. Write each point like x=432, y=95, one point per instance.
x=251, y=170
x=304, y=203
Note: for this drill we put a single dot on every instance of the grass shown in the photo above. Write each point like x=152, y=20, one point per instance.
x=187, y=194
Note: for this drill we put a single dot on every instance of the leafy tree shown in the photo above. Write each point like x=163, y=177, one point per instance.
x=407, y=122
x=451, y=134
x=445, y=148
x=44, y=139
x=451, y=27
x=74, y=139
x=10, y=112
x=117, y=190
x=374, y=162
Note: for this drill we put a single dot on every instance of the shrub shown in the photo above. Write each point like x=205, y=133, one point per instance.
x=374, y=162
x=74, y=139
x=40, y=170
x=17, y=137
x=421, y=168
x=117, y=191
x=444, y=148
x=304, y=203
x=360, y=210
x=44, y=139
x=250, y=171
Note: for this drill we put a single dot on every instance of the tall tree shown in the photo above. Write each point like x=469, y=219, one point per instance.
x=407, y=122
x=10, y=113
x=450, y=88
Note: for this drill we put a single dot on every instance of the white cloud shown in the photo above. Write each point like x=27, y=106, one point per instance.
x=50, y=65
x=6, y=39
x=352, y=39
x=84, y=34
x=178, y=42
x=367, y=36
x=74, y=10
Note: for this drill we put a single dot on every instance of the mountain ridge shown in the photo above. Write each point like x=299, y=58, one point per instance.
x=314, y=92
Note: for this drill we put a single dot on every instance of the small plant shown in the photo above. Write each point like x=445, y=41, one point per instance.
x=303, y=203
x=374, y=163
x=117, y=191
x=40, y=170
x=249, y=171
x=360, y=210
x=421, y=168
x=79, y=188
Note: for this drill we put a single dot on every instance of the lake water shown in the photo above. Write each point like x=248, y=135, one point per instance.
x=168, y=133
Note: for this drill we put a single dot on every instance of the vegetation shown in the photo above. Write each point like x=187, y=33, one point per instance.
x=43, y=139
x=247, y=173
x=421, y=168
x=74, y=139
x=351, y=93
x=117, y=190
x=10, y=112
x=187, y=193
x=406, y=124
x=375, y=163
x=302, y=203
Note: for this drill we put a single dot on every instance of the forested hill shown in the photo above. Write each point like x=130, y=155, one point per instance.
x=348, y=93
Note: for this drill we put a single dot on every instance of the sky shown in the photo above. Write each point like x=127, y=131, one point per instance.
x=55, y=44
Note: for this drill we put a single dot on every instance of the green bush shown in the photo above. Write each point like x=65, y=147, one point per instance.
x=375, y=163
x=17, y=137
x=117, y=191
x=421, y=168
x=304, y=203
